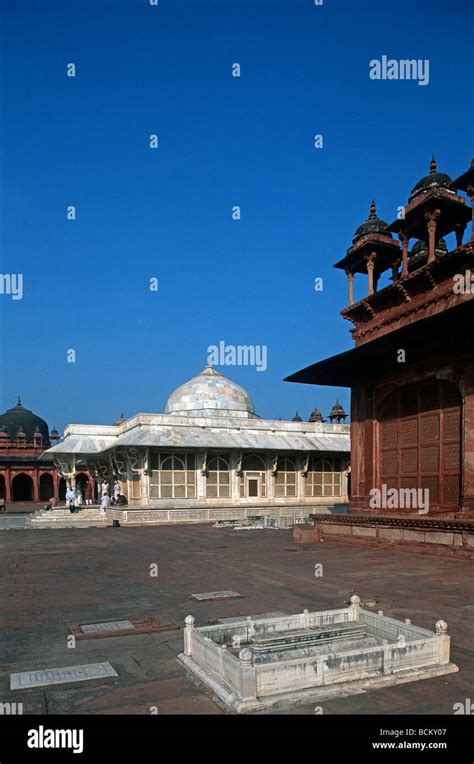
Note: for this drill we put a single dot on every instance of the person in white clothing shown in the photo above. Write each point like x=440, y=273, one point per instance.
x=104, y=503
x=78, y=501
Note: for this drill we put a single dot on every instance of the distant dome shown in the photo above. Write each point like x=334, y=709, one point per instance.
x=337, y=412
x=296, y=418
x=19, y=419
x=373, y=224
x=211, y=394
x=316, y=415
x=433, y=180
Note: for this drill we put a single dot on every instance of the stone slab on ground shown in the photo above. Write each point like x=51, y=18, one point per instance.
x=25, y=680
x=224, y=595
x=146, y=625
x=94, y=628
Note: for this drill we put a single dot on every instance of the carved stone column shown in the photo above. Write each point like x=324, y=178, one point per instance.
x=431, y=218
x=235, y=464
x=370, y=271
x=35, y=477
x=7, y=485
x=350, y=281
x=395, y=274
x=404, y=242
x=459, y=229
x=55, y=485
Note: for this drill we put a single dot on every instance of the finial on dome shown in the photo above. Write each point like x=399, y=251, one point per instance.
x=18, y=401
x=373, y=210
x=433, y=165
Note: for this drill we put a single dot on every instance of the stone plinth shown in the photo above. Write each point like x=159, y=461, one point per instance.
x=448, y=538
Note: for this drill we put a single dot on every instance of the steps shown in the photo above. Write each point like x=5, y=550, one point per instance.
x=61, y=517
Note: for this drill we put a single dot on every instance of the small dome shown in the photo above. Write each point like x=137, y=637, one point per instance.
x=421, y=247
x=337, y=412
x=296, y=418
x=211, y=394
x=21, y=420
x=433, y=180
x=373, y=224
x=316, y=415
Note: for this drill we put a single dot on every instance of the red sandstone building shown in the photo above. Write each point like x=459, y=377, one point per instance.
x=411, y=372
x=23, y=478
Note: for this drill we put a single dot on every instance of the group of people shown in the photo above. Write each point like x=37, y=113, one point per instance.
x=75, y=499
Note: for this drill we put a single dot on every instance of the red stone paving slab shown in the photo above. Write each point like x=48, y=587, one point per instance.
x=146, y=625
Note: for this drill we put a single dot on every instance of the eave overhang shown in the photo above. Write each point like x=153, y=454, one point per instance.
x=450, y=333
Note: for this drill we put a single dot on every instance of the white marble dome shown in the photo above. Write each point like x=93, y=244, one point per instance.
x=211, y=394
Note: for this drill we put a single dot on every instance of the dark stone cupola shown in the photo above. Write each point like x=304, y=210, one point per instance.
x=316, y=415
x=20, y=420
x=337, y=413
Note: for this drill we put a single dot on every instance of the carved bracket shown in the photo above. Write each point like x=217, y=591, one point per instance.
x=65, y=465
x=119, y=462
x=137, y=461
x=305, y=465
x=238, y=467
x=404, y=292
x=275, y=464
x=369, y=308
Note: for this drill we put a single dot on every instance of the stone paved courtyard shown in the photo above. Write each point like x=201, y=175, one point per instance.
x=58, y=577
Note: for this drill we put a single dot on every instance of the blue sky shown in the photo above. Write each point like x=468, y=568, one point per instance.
x=166, y=213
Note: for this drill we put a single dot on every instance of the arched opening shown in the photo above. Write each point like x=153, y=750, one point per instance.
x=173, y=476
x=285, y=478
x=62, y=488
x=46, y=487
x=22, y=488
x=218, y=477
x=253, y=477
x=420, y=441
x=324, y=477
x=81, y=482
x=3, y=490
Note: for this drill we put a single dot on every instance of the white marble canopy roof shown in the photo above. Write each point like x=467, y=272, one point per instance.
x=172, y=431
